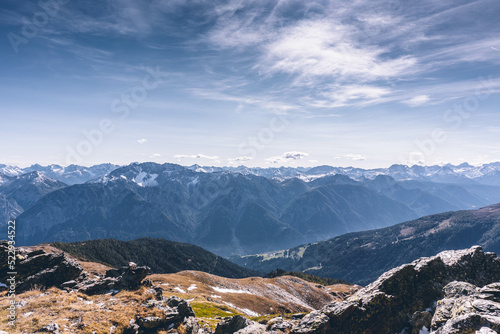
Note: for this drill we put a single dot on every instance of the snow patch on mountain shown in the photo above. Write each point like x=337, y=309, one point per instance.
x=10, y=170
x=194, y=181
x=225, y=290
x=144, y=179
x=243, y=310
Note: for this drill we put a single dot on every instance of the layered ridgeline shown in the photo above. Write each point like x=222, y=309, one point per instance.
x=231, y=212
x=71, y=174
x=20, y=192
x=487, y=174
x=221, y=211
x=162, y=256
x=361, y=257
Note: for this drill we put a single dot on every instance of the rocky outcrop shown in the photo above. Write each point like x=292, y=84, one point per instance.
x=131, y=276
x=404, y=294
x=231, y=325
x=127, y=277
x=240, y=325
x=43, y=270
x=38, y=268
x=467, y=308
x=175, y=312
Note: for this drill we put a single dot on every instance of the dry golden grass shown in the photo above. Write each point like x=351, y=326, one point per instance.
x=78, y=313
x=75, y=312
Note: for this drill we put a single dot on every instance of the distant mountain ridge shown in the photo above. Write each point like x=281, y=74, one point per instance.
x=18, y=193
x=487, y=174
x=361, y=257
x=225, y=211
x=71, y=174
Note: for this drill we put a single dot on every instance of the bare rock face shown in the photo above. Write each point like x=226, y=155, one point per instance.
x=38, y=268
x=231, y=325
x=128, y=278
x=131, y=276
x=253, y=328
x=44, y=270
x=388, y=304
x=467, y=308
x=175, y=312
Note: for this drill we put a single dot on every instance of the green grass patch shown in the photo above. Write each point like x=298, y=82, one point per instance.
x=211, y=310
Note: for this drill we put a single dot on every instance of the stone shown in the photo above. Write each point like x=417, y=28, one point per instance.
x=149, y=322
x=148, y=283
x=93, y=287
x=279, y=324
x=132, y=328
x=129, y=277
x=315, y=322
x=69, y=284
x=115, y=279
x=419, y=320
x=230, y=325
x=467, y=308
x=191, y=325
x=252, y=328
x=50, y=328
x=175, y=312
x=158, y=293
x=182, y=306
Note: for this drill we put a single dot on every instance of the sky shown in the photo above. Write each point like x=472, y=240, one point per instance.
x=362, y=83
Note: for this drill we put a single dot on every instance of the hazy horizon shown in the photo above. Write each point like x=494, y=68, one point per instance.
x=247, y=166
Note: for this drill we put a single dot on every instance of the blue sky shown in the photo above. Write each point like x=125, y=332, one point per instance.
x=261, y=83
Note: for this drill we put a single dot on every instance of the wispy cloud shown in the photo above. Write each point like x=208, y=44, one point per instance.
x=344, y=95
x=142, y=141
x=264, y=102
x=417, y=100
x=239, y=159
x=195, y=156
x=287, y=156
x=362, y=47
x=319, y=49
x=354, y=157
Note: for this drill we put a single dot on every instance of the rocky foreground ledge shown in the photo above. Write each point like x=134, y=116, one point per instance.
x=452, y=292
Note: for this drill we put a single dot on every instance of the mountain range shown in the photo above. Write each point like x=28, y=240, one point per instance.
x=363, y=256
x=232, y=210
x=488, y=174
x=71, y=174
